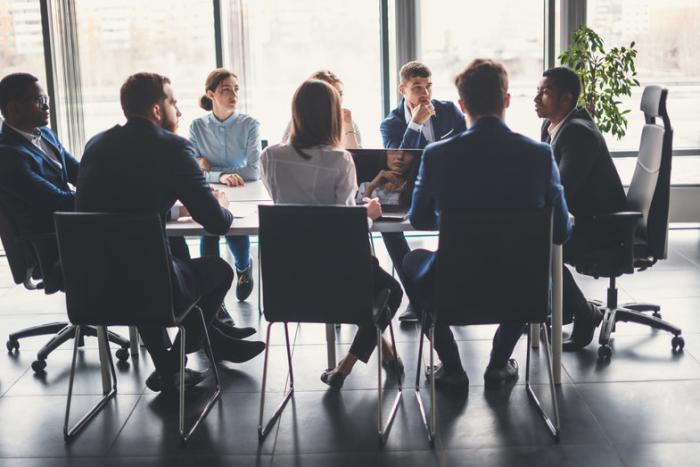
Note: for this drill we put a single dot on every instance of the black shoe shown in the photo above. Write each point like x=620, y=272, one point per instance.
x=232, y=331
x=334, y=379
x=223, y=316
x=584, y=328
x=192, y=378
x=234, y=350
x=244, y=286
x=410, y=315
x=394, y=367
x=445, y=378
x=495, y=377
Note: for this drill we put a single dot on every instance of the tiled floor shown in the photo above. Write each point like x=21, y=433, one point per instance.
x=640, y=409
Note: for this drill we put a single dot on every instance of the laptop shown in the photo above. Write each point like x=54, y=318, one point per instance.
x=369, y=162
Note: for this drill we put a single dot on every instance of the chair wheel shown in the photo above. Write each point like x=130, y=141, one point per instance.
x=604, y=352
x=38, y=365
x=677, y=343
x=12, y=345
x=122, y=354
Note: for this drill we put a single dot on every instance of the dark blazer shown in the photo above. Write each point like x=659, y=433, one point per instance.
x=141, y=168
x=448, y=121
x=591, y=182
x=33, y=186
x=486, y=167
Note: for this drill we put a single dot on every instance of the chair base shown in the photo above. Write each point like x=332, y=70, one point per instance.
x=383, y=428
x=430, y=421
x=634, y=313
x=63, y=332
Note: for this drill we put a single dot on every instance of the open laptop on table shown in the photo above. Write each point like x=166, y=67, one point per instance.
x=368, y=164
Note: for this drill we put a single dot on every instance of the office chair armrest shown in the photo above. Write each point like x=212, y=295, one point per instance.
x=620, y=218
x=624, y=223
x=379, y=307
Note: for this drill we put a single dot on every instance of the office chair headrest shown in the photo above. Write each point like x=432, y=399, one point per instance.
x=653, y=102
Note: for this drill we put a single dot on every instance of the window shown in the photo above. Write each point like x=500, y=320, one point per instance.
x=454, y=32
x=667, y=35
x=21, y=39
x=274, y=45
x=118, y=38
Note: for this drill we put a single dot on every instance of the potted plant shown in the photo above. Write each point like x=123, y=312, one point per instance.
x=605, y=76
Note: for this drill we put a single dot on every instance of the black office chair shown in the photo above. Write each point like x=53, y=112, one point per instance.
x=492, y=267
x=642, y=233
x=316, y=267
x=117, y=273
x=25, y=255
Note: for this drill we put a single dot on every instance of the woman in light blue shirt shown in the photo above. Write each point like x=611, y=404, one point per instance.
x=228, y=150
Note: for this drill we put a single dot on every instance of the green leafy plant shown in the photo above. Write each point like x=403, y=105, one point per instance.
x=605, y=76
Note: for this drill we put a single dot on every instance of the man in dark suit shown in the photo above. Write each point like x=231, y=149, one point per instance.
x=36, y=171
x=116, y=175
x=591, y=184
x=417, y=121
x=481, y=168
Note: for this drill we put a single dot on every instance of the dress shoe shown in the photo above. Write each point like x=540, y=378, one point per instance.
x=584, y=328
x=410, y=315
x=334, y=379
x=244, y=286
x=233, y=350
x=192, y=378
x=448, y=378
x=232, y=331
x=495, y=377
x=223, y=316
x=394, y=367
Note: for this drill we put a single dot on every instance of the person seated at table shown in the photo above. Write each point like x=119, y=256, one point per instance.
x=114, y=177
x=36, y=171
x=227, y=144
x=393, y=186
x=486, y=167
x=351, y=138
x=313, y=169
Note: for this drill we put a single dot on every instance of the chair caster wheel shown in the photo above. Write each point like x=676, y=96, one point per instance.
x=12, y=345
x=677, y=343
x=122, y=354
x=38, y=366
x=604, y=352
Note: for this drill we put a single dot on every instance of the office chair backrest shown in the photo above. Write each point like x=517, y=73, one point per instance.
x=116, y=268
x=650, y=188
x=493, y=266
x=20, y=255
x=316, y=264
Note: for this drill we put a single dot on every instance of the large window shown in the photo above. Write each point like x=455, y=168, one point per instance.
x=667, y=35
x=274, y=45
x=118, y=38
x=21, y=39
x=454, y=32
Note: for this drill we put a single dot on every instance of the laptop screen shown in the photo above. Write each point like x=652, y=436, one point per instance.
x=387, y=174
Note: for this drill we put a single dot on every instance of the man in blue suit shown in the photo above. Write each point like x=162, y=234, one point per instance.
x=485, y=167
x=417, y=121
x=36, y=171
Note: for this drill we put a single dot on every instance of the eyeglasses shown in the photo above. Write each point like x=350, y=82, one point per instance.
x=42, y=100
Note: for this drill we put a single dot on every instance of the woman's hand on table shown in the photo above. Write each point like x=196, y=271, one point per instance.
x=231, y=180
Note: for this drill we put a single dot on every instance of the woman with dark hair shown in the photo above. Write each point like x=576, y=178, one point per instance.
x=228, y=148
x=312, y=169
x=393, y=186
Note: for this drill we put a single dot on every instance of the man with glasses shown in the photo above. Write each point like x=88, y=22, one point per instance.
x=416, y=122
x=36, y=171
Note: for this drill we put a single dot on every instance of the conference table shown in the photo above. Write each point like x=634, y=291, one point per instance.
x=243, y=203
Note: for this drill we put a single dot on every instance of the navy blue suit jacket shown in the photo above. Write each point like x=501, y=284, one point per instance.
x=32, y=186
x=487, y=167
x=141, y=168
x=448, y=121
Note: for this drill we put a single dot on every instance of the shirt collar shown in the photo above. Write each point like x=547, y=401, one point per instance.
x=226, y=123
x=34, y=137
x=552, y=130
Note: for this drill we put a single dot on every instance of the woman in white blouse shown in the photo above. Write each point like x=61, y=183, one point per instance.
x=312, y=169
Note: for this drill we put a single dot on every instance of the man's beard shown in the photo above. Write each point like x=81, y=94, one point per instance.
x=170, y=125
